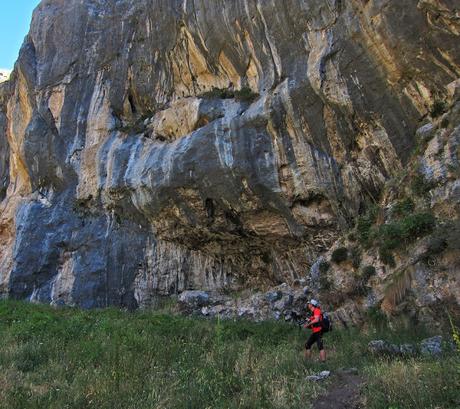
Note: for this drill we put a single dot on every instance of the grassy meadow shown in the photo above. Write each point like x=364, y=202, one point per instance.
x=69, y=358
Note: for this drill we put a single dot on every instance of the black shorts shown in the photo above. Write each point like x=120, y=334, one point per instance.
x=315, y=337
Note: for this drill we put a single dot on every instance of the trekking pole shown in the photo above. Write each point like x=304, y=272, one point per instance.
x=300, y=324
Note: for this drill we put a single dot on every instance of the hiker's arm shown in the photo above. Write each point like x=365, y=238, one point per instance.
x=315, y=319
x=311, y=321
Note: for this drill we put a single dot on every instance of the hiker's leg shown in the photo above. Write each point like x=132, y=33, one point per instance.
x=311, y=340
x=322, y=355
x=322, y=352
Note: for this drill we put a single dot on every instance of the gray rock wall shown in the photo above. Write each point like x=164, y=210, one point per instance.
x=125, y=182
x=4, y=146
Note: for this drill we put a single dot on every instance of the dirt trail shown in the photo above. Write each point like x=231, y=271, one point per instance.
x=343, y=393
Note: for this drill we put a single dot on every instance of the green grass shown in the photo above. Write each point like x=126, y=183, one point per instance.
x=69, y=358
x=413, y=383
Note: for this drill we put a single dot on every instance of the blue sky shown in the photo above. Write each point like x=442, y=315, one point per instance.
x=15, y=17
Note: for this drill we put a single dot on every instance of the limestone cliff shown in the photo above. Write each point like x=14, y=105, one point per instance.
x=153, y=146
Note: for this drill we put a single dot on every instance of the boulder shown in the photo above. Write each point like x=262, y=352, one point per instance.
x=319, y=377
x=194, y=300
x=426, y=132
x=381, y=347
x=273, y=296
x=431, y=346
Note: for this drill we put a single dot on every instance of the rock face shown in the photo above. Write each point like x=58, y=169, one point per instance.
x=150, y=147
x=287, y=305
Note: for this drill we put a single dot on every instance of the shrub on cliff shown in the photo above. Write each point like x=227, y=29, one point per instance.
x=403, y=207
x=417, y=225
x=220, y=93
x=398, y=234
x=324, y=267
x=245, y=94
x=339, y=255
x=360, y=287
x=367, y=272
x=365, y=223
x=386, y=257
x=438, y=108
x=420, y=185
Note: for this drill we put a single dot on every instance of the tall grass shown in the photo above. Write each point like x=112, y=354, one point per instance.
x=69, y=358
x=414, y=383
x=111, y=359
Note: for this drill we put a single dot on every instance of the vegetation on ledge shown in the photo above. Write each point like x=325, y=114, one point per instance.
x=403, y=228
x=245, y=94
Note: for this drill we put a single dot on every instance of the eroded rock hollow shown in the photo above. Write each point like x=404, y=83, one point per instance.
x=151, y=146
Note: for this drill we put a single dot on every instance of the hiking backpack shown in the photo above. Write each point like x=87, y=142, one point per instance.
x=326, y=323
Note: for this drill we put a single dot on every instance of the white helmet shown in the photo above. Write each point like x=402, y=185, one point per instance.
x=314, y=302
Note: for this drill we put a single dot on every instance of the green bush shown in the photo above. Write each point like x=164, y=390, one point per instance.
x=339, y=255
x=325, y=282
x=360, y=287
x=386, y=256
x=30, y=356
x=364, y=225
x=390, y=235
x=363, y=228
x=438, y=108
x=417, y=225
x=324, y=267
x=377, y=319
x=398, y=234
x=436, y=245
x=355, y=256
x=367, y=272
x=220, y=93
x=403, y=207
x=245, y=94
x=420, y=185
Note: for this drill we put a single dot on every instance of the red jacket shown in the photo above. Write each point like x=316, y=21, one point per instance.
x=316, y=327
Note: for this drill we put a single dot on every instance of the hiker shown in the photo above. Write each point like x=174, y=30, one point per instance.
x=314, y=323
